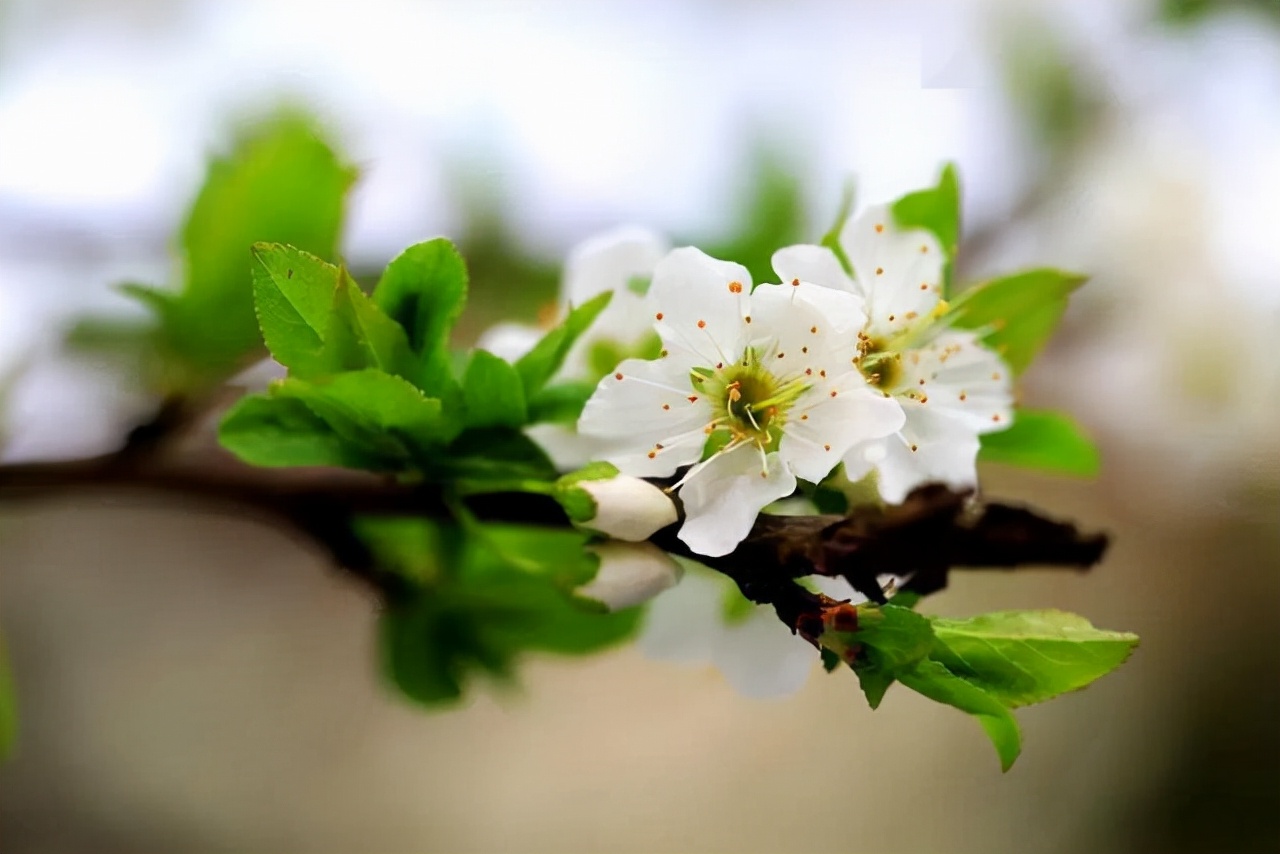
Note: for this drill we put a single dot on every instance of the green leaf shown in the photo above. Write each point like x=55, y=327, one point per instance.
x=383, y=415
x=359, y=335
x=1023, y=657
x=414, y=549
x=939, y=684
x=8, y=707
x=541, y=363
x=1042, y=440
x=893, y=640
x=830, y=661
x=493, y=393
x=281, y=183
x=560, y=403
x=510, y=594
x=556, y=554
x=936, y=209
x=317, y=321
x=428, y=646
x=1015, y=315
x=495, y=454
x=294, y=293
x=424, y=289
x=282, y=431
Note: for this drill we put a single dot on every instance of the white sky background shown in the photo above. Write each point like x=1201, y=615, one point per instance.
x=588, y=113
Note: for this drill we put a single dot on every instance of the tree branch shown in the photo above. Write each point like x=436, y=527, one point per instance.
x=933, y=532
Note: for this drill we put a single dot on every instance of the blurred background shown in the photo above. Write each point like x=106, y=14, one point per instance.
x=190, y=682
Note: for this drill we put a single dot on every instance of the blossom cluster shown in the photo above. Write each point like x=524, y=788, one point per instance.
x=843, y=362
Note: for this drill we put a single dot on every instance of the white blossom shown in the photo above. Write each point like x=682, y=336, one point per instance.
x=951, y=388
x=753, y=390
x=629, y=574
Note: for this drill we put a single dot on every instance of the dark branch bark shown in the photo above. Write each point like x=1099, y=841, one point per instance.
x=933, y=532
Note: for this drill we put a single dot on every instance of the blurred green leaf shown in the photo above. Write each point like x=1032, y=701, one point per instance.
x=1016, y=314
x=561, y=403
x=1042, y=440
x=935, y=681
x=539, y=365
x=1023, y=657
x=414, y=549
x=512, y=594
x=493, y=393
x=495, y=455
x=282, y=183
x=771, y=213
x=424, y=289
x=282, y=431
x=8, y=706
x=936, y=209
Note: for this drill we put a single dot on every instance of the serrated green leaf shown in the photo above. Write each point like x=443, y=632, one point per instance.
x=361, y=336
x=1041, y=439
x=283, y=431
x=493, y=393
x=1016, y=314
x=1023, y=657
x=383, y=415
x=541, y=363
x=936, y=209
x=8, y=706
x=424, y=289
x=293, y=293
x=939, y=684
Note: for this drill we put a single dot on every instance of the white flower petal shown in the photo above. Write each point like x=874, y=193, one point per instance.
x=794, y=309
x=644, y=405
x=898, y=271
x=760, y=657
x=568, y=448
x=822, y=428
x=699, y=304
x=816, y=264
x=722, y=499
x=684, y=622
x=961, y=377
x=609, y=261
x=946, y=451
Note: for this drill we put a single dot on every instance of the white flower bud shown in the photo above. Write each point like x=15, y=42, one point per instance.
x=629, y=574
x=622, y=507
